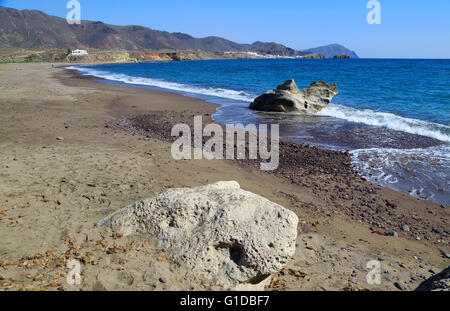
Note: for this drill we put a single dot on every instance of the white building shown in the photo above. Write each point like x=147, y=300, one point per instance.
x=80, y=52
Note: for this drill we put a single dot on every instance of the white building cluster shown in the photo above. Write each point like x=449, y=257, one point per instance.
x=80, y=52
x=254, y=54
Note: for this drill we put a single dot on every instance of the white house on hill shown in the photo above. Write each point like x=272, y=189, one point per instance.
x=80, y=52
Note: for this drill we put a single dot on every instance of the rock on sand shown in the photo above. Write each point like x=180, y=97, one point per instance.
x=438, y=282
x=229, y=235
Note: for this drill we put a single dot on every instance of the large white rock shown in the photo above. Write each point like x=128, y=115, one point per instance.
x=230, y=235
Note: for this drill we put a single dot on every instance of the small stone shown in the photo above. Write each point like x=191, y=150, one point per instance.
x=399, y=285
x=447, y=255
x=163, y=280
x=393, y=233
x=405, y=228
x=7, y=166
x=1, y=277
x=59, y=138
x=309, y=100
x=418, y=238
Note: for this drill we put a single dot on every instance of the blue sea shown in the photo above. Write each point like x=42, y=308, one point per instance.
x=393, y=115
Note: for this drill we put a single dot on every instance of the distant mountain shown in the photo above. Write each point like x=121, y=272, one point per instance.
x=33, y=29
x=273, y=49
x=332, y=50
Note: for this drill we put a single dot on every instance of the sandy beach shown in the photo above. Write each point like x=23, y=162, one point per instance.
x=65, y=163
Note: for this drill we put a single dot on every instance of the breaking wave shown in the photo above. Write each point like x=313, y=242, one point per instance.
x=210, y=91
x=388, y=120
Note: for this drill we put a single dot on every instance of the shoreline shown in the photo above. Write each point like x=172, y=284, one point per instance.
x=409, y=139
x=314, y=160
x=98, y=165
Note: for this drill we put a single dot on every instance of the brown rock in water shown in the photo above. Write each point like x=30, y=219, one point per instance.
x=288, y=98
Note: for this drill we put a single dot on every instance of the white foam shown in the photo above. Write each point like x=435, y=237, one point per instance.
x=422, y=172
x=388, y=120
x=211, y=91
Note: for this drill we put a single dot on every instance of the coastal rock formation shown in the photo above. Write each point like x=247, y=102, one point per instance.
x=288, y=98
x=221, y=231
x=341, y=56
x=312, y=56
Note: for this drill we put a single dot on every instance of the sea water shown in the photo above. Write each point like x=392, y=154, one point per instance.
x=392, y=114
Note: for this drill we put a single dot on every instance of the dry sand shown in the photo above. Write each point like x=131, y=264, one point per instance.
x=52, y=192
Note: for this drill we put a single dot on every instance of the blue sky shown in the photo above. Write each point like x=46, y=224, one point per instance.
x=408, y=29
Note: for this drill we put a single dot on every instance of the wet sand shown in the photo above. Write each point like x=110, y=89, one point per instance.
x=52, y=192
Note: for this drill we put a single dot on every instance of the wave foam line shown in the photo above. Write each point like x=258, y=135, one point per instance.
x=217, y=92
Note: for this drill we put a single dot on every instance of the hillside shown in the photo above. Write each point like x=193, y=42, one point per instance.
x=31, y=29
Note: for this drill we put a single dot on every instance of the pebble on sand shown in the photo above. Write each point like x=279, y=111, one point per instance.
x=399, y=285
x=163, y=280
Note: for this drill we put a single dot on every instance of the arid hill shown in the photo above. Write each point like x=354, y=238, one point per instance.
x=31, y=29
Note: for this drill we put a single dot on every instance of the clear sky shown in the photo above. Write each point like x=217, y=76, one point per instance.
x=408, y=29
